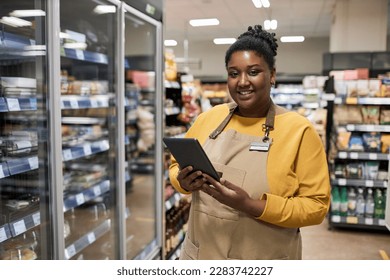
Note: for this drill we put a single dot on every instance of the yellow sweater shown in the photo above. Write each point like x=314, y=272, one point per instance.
x=297, y=168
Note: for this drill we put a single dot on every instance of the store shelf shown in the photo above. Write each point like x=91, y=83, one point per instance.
x=84, y=150
x=18, y=165
x=368, y=128
x=84, y=102
x=358, y=222
x=14, y=104
x=24, y=224
x=170, y=202
x=84, y=55
x=78, y=199
x=362, y=156
x=5, y=233
x=362, y=100
x=360, y=183
x=87, y=239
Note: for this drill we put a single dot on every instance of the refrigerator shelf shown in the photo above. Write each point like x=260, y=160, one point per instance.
x=5, y=233
x=78, y=199
x=13, y=104
x=359, y=182
x=84, y=150
x=362, y=155
x=82, y=55
x=84, y=102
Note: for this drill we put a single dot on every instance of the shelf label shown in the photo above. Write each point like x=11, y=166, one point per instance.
x=372, y=156
x=381, y=222
x=352, y=220
x=1, y=171
x=97, y=191
x=23, y=144
x=94, y=103
x=70, y=251
x=343, y=155
x=91, y=238
x=104, y=146
x=80, y=199
x=80, y=54
x=369, y=221
x=342, y=182
x=3, y=234
x=13, y=104
x=351, y=100
x=87, y=150
x=74, y=104
x=33, y=162
x=19, y=227
x=36, y=218
x=336, y=219
x=354, y=155
x=67, y=154
x=369, y=183
x=370, y=127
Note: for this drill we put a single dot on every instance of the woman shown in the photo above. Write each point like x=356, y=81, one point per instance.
x=273, y=165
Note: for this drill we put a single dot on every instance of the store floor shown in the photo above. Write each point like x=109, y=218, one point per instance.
x=320, y=243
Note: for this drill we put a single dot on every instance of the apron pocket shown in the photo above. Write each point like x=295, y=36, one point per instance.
x=189, y=251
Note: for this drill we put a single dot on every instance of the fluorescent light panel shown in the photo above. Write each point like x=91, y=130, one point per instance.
x=170, y=43
x=104, y=9
x=27, y=13
x=204, y=22
x=15, y=22
x=261, y=3
x=292, y=39
x=224, y=41
x=270, y=24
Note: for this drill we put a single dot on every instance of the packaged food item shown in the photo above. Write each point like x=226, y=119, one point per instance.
x=370, y=114
x=385, y=143
x=372, y=141
x=343, y=138
x=371, y=170
x=385, y=116
x=347, y=115
x=340, y=171
x=355, y=170
x=356, y=143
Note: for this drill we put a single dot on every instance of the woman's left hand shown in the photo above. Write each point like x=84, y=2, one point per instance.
x=231, y=195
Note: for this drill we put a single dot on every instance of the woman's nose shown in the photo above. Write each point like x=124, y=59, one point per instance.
x=243, y=80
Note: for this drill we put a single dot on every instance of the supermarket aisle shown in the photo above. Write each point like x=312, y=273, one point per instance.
x=319, y=243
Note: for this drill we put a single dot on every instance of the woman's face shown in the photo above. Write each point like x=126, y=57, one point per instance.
x=249, y=82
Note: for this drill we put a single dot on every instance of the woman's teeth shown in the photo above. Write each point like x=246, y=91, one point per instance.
x=244, y=92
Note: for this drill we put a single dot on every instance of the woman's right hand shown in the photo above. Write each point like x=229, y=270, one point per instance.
x=190, y=181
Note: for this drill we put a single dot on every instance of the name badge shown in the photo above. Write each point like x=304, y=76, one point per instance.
x=261, y=146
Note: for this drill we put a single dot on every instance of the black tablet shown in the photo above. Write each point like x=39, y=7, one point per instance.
x=188, y=151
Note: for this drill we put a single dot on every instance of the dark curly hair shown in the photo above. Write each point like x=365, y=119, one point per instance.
x=258, y=40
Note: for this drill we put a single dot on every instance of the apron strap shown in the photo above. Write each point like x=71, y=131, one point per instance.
x=232, y=107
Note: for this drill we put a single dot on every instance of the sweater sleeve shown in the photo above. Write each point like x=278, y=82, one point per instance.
x=308, y=203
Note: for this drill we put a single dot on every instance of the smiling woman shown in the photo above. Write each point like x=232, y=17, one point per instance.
x=275, y=174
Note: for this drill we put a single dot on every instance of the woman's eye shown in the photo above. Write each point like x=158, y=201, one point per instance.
x=253, y=72
x=233, y=74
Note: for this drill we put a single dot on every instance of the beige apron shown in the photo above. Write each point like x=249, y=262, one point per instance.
x=217, y=231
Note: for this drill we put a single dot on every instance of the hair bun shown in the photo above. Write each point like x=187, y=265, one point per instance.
x=258, y=32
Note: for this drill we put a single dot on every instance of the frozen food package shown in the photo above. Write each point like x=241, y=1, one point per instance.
x=372, y=141
x=356, y=143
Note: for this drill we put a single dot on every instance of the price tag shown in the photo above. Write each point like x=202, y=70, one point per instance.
x=1, y=172
x=336, y=219
x=67, y=154
x=354, y=155
x=350, y=127
x=23, y=144
x=70, y=251
x=13, y=104
x=97, y=191
x=74, y=104
x=372, y=156
x=91, y=237
x=19, y=227
x=80, y=54
x=168, y=204
x=104, y=145
x=33, y=161
x=369, y=183
x=80, y=199
x=3, y=235
x=352, y=220
x=338, y=100
x=381, y=222
x=36, y=218
x=87, y=150
x=343, y=155
x=369, y=221
x=370, y=127
x=94, y=103
x=342, y=182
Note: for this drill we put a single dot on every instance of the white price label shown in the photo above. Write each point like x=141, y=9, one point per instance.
x=369, y=183
x=1, y=172
x=342, y=182
x=36, y=218
x=70, y=251
x=97, y=191
x=3, y=234
x=33, y=161
x=370, y=127
x=80, y=54
x=354, y=155
x=350, y=127
x=91, y=238
x=74, y=104
x=23, y=144
x=87, y=150
x=369, y=221
x=67, y=154
x=104, y=146
x=381, y=222
x=343, y=155
x=372, y=156
x=94, y=103
x=13, y=104
x=80, y=199
x=19, y=227
x=336, y=219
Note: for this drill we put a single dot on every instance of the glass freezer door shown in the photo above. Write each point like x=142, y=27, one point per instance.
x=142, y=134
x=88, y=98
x=25, y=229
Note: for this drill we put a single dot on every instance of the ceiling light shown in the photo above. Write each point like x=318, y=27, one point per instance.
x=224, y=41
x=261, y=3
x=270, y=24
x=27, y=13
x=204, y=22
x=104, y=9
x=292, y=39
x=15, y=22
x=170, y=43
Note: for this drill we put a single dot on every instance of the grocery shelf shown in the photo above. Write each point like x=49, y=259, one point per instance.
x=24, y=224
x=84, y=150
x=359, y=183
x=362, y=155
x=84, y=102
x=5, y=233
x=360, y=222
x=368, y=127
x=84, y=55
x=12, y=104
x=362, y=100
x=19, y=165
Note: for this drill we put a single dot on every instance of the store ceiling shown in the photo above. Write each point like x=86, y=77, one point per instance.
x=310, y=18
